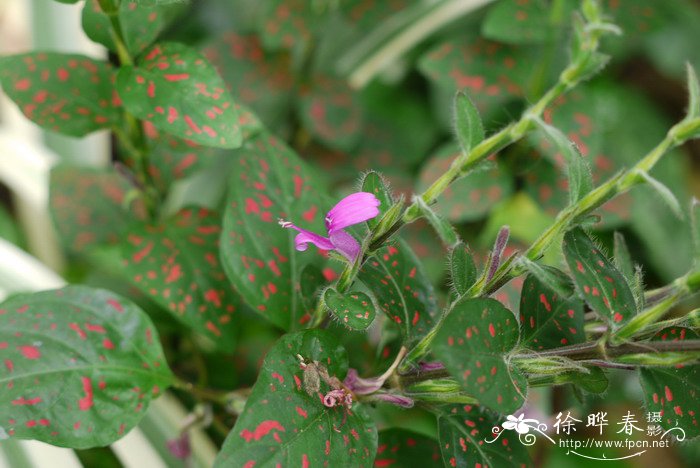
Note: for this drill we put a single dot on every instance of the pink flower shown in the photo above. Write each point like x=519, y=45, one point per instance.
x=353, y=209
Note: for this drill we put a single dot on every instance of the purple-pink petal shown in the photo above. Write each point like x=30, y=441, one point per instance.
x=362, y=386
x=345, y=244
x=305, y=237
x=353, y=209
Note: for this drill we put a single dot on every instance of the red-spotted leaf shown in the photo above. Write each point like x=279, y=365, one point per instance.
x=396, y=278
x=176, y=263
x=488, y=72
x=330, y=111
x=258, y=255
x=548, y=320
x=473, y=342
x=65, y=93
x=353, y=309
x=470, y=197
x=597, y=280
x=366, y=14
x=285, y=421
x=176, y=89
x=80, y=366
x=402, y=448
x=141, y=23
x=524, y=21
x=285, y=24
x=674, y=390
x=463, y=433
x=87, y=206
x=258, y=79
x=173, y=158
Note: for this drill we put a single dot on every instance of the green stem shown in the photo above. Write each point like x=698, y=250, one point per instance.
x=133, y=139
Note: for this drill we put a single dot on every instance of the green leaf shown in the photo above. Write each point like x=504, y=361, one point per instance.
x=329, y=110
x=468, y=126
x=446, y=232
x=695, y=225
x=693, y=93
x=548, y=320
x=621, y=256
x=673, y=390
x=396, y=278
x=520, y=22
x=550, y=277
x=473, y=342
x=285, y=421
x=397, y=132
x=599, y=283
x=176, y=89
x=87, y=206
x=259, y=79
x=259, y=256
x=578, y=171
x=176, y=263
x=666, y=195
x=463, y=431
x=81, y=366
x=402, y=447
x=353, y=309
x=463, y=270
x=593, y=381
x=65, y=93
x=373, y=182
x=141, y=23
x=469, y=198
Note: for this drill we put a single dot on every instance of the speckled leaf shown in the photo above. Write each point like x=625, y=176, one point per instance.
x=462, y=432
x=87, y=206
x=488, y=72
x=473, y=342
x=176, y=89
x=396, y=278
x=597, y=280
x=176, y=263
x=65, y=93
x=401, y=448
x=674, y=391
x=141, y=22
x=80, y=366
x=471, y=197
x=353, y=309
x=373, y=182
x=548, y=320
x=328, y=108
x=257, y=78
x=259, y=256
x=366, y=14
x=524, y=21
x=285, y=24
x=173, y=158
x=283, y=424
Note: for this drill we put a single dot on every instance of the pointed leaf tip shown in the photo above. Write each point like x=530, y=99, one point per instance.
x=468, y=126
